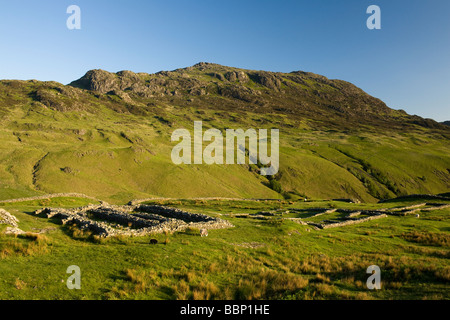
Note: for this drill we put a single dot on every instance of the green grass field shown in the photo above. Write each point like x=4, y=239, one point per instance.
x=269, y=258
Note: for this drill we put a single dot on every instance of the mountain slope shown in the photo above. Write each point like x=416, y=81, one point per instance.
x=108, y=135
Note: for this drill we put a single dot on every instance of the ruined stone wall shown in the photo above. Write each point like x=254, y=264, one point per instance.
x=174, y=213
x=140, y=220
x=333, y=224
x=48, y=196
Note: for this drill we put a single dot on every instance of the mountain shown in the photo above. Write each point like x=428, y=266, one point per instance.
x=296, y=93
x=108, y=135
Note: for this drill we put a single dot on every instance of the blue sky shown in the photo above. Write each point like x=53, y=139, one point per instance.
x=406, y=63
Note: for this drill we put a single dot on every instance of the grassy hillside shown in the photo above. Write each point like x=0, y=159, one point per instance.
x=108, y=136
x=271, y=258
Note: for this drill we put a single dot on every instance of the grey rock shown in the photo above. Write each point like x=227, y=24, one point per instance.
x=8, y=218
x=14, y=231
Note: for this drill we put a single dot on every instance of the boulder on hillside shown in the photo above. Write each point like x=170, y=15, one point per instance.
x=8, y=218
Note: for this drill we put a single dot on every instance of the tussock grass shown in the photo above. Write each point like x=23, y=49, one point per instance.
x=428, y=238
x=253, y=260
x=86, y=235
x=27, y=244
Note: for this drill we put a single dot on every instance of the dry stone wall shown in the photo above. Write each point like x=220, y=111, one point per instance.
x=333, y=224
x=348, y=217
x=132, y=220
x=48, y=196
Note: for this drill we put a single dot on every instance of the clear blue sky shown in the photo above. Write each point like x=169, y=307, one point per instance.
x=406, y=63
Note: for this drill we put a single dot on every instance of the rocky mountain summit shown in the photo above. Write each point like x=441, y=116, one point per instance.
x=212, y=85
x=322, y=102
x=325, y=103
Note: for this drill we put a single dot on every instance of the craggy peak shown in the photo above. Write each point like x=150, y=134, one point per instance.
x=211, y=85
